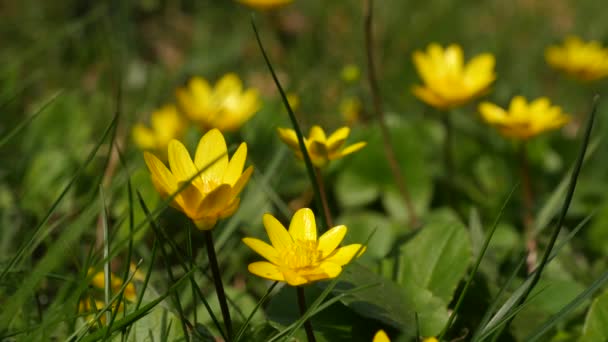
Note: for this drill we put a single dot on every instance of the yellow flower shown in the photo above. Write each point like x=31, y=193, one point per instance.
x=430, y=339
x=350, y=73
x=98, y=281
x=585, y=61
x=165, y=124
x=447, y=81
x=523, y=120
x=85, y=306
x=265, y=4
x=211, y=195
x=381, y=336
x=225, y=107
x=321, y=149
x=296, y=256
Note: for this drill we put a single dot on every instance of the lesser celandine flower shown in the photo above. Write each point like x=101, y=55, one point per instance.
x=226, y=106
x=296, y=256
x=586, y=61
x=524, y=120
x=448, y=82
x=321, y=148
x=211, y=195
x=381, y=336
x=165, y=124
x=265, y=4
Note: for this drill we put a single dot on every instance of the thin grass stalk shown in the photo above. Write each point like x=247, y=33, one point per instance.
x=571, y=187
x=310, y=335
x=107, y=273
x=262, y=300
x=486, y=244
x=398, y=175
x=219, y=286
x=309, y=166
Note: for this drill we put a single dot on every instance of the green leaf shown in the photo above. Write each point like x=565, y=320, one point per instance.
x=437, y=258
x=362, y=223
x=596, y=322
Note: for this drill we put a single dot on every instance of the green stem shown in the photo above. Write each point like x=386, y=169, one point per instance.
x=528, y=201
x=219, y=287
x=302, y=305
x=448, y=157
x=324, y=201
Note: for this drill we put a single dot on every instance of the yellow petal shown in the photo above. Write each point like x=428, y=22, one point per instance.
x=293, y=278
x=228, y=84
x=317, y=150
x=331, y=239
x=212, y=155
x=344, y=255
x=317, y=133
x=330, y=269
x=144, y=137
x=302, y=226
x=381, y=336
x=242, y=181
x=205, y=223
x=352, y=148
x=492, y=113
x=337, y=138
x=163, y=179
x=189, y=199
x=180, y=162
x=216, y=201
x=289, y=137
x=266, y=270
x=278, y=235
x=429, y=97
x=231, y=208
x=263, y=249
x=235, y=165
x=480, y=70
x=453, y=57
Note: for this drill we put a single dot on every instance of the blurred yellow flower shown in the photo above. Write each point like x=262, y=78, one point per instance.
x=350, y=73
x=92, y=308
x=448, y=82
x=430, y=339
x=523, y=120
x=225, y=106
x=211, y=195
x=265, y=4
x=165, y=124
x=586, y=61
x=294, y=101
x=297, y=256
x=350, y=108
x=98, y=281
x=321, y=149
x=381, y=336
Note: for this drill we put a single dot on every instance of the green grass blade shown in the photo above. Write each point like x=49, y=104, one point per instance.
x=261, y=302
x=476, y=267
x=23, y=124
x=582, y=297
x=296, y=126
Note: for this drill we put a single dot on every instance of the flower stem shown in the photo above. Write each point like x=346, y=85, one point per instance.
x=377, y=102
x=302, y=305
x=528, y=201
x=219, y=287
x=323, y=194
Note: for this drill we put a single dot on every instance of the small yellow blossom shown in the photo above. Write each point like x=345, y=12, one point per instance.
x=448, y=82
x=350, y=73
x=297, y=256
x=350, y=108
x=321, y=149
x=381, y=336
x=265, y=4
x=165, y=124
x=98, y=281
x=211, y=195
x=586, y=61
x=430, y=339
x=225, y=106
x=523, y=120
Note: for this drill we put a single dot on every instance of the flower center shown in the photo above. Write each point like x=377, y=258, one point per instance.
x=302, y=254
